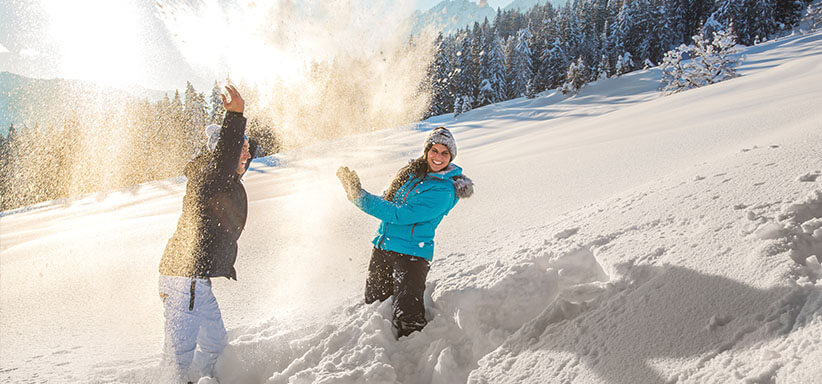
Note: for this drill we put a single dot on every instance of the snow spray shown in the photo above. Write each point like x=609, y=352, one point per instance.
x=312, y=69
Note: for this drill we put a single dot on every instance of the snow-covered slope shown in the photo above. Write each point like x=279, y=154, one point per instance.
x=614, y=237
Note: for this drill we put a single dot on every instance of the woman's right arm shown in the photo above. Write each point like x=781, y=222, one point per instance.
x=424, y=207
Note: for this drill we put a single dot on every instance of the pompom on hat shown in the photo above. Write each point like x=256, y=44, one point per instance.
x=442, y=135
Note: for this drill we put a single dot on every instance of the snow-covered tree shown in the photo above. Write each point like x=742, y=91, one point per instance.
x=217, y=110
x=575, y=77
x=603, y=68
x=675, y=71
x=624, y=64
x=487, y=94
x=522, y=66
x=467, y=102
x=557, y=61
x=718, y=59
x=530, y=89
x=458, y=105
x=710, y=62
x=195, y=117
x=440, y=80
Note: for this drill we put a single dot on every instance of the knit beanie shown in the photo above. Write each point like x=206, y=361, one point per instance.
x=442, y=135
x=212, y=133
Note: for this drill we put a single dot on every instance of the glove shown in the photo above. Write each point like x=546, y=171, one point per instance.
x=350, y=182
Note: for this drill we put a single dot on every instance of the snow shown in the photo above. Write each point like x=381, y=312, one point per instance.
x=616, y=236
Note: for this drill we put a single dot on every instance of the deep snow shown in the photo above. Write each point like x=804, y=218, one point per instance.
x=615, y=237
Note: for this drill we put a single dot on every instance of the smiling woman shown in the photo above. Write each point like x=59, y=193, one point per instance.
x=97, y=40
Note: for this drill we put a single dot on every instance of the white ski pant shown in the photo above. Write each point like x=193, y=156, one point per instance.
x=192, y=322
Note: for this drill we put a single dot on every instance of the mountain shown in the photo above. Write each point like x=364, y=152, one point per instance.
x=56, y=98
x=524, y=5
x=451, y=15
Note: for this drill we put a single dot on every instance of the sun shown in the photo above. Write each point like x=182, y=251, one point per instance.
x=97, y=40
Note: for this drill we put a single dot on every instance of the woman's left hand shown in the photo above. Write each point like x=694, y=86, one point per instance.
x=350, y=182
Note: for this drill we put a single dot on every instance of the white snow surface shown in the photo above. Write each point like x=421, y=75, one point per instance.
x=618, y=236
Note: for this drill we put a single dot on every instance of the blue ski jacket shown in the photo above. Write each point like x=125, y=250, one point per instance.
x=410, y=219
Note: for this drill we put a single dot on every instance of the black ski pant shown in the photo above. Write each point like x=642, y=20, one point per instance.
x=403, y=276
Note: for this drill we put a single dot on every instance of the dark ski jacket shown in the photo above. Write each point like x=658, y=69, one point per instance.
x=215, y=207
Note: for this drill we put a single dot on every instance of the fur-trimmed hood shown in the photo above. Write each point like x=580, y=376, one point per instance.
x=463, y=185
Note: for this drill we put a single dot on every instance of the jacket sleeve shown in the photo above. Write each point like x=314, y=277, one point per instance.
x=228, y=149
x=427, y=206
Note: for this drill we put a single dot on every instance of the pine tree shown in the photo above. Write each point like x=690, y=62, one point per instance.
x=217, y=111
x=711, y=62
x=458, y=103
x=719, y=58
x=510, y=88
x=787, y=12
x=496, y=74
x=487, y=94
x=674, y=70
x=522, y=65
x=461, y=83
x=558, y=62
x=575, y=77
x=604, y=68
x=625, y=63
x=195, y=118
x=438, y=76
x=467, y=101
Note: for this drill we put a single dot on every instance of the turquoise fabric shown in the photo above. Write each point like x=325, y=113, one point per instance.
x=409, y=221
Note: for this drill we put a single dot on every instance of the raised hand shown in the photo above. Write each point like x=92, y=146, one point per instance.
x=350, y=182
x=237, y=104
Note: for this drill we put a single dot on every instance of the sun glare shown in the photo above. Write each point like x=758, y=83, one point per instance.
x=318, y=68
x=98, y=40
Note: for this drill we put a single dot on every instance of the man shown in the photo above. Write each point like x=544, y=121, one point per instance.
x=204, y=246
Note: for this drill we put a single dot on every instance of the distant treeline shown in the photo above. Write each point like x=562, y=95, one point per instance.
x=521, y=54
x=111, y=144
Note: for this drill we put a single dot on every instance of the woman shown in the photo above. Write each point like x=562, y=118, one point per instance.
x=204, y=246
x=419, y=197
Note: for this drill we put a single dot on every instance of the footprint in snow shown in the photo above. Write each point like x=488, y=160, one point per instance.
x=810, y=177
x=566, y=233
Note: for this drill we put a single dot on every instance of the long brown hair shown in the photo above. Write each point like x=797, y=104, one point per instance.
x=416, y=169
